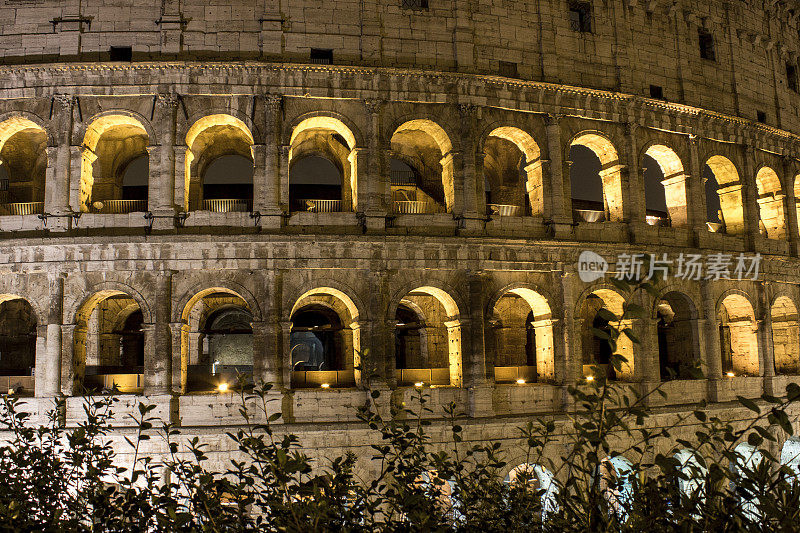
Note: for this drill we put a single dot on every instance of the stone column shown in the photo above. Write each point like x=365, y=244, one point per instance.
x=181, y=185
x=792, y=228
x=390, y=368
x=567, y=359
x=472, y=179
x=632, y=182
x=766, y=359
x=78, y=159
x=374, y=179
x=475, y=367
x=555, y=179
x=158, y=340
x=712, y=364
x=750, y=208
x=452, y=168
x=266, y=344
x=267, y=182
x=68, y=363
x=284, y=178
x=695, y=189
x=161, y=185
x=48, y=363
x=179, y=361
x=57, y=175
x=286, y=355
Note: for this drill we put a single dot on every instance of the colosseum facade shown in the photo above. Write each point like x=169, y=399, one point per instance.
x=354, y=195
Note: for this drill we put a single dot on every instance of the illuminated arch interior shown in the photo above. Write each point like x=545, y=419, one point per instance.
x=729, y=193
x=426, y=147
x=23, y=162
x=596, y=351
x=737, y=331
x=609, y=176
x=513, y=172
x=770, y=204
x=672, y=185
x=785, y=336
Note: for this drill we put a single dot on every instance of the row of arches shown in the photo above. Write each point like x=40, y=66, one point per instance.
x=322, y=162
x=215, y=340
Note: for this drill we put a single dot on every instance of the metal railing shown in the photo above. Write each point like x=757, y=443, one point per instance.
x=116, y=207
x=24, y=208
x=319, y=206
x=228, y=206
x=416, y=207
x=402, y=177
x=655, y=220
x=589, y=215
x=505, y=210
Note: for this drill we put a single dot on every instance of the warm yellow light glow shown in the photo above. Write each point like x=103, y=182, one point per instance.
x=589, y=378
x=418, y=384
x=520, y=381
x=11, y=391
x=730, y=374
x=223, y=387
x=326, y=385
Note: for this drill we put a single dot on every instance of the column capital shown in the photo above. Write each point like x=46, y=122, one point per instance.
x=168, y=101
x=273, y=101
x=553, y=119
x=374, y=105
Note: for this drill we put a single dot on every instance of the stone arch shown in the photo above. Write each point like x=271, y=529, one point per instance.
x=208, y=139
x=538, y=477
x=328, y=317
x=23, y=117
x=425, y=142
x=771, y=203
x=614, y=475
x=443, y=330
x=596, y=352
x=610, y=170
x=673, y=182
x=510, y=152
x=71, y=312
x=677, y=330
x=190, y=297
x=330, y=138
x=737, y=330
x=19, y=343
x=796, y=192
x=98, y=358
x=523, y=333
x=785, y=335
x=23, y=166
x=692, y=465
x=729, y=192
x=198, y=365
x=111, y=141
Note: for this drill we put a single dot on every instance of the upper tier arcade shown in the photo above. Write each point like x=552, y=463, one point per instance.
x=735, y=57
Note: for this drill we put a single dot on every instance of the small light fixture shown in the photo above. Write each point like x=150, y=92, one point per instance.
x=520, y=381
x=589, y=378
x=11, y=391
x=418, y=384
x=326, y=385
x=223, y=387
x=730, y=374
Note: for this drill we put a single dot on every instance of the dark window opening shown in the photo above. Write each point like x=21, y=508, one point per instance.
x=602, y=348
x=316, y=340
x=791, y=77
x=414, y=4
x=322, y=56
x=530, y=345
x=121, y=53
x=580, y=17
x=761, y=116
x=508, y=69
x=706, y=44
x=656, y=91
x=408, y=338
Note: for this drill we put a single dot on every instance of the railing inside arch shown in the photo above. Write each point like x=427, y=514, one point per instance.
x=416, y=207
x=504, y=210
x=22, y=208
x=228, y=205
x=318, y=206
x=116, y=207
x=402, y=177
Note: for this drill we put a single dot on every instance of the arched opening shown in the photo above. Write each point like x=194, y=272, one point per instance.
x=597, y=351
x=17, y=345
x=737, y=336
x=114, y=164
x=409, y=196
x=23, y=164
x=109, y=343
x=325, y=340
x=664, y=187
x=770, y=204
x=724, y=189
x=512, y=173
x=438, y=361
x=536, y=478
x=411, y=341
x=595, y=179
x=785, y=336
x=522, y=336
x=216, y=341
x=219, y=165
x=323, y=166
x=424, y=147
x=616, y=477
x=693, y=470
x=748, y=458
x=790, y=456
x=677, y=337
